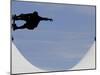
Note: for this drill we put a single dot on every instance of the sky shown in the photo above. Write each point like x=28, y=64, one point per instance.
x=57, y=45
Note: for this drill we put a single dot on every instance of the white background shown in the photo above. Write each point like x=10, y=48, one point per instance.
x=5, y=36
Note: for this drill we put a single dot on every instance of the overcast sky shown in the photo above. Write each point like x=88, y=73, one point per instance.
x=60, y=44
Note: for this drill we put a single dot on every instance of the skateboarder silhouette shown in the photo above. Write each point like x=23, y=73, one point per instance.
x=32, y=20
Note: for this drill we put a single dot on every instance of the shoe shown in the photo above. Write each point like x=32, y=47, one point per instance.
x=14, y=27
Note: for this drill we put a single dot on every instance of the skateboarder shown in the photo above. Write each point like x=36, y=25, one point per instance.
x=32, y=20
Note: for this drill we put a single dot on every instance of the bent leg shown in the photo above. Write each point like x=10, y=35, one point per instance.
x=14, y=17
x=16, y=27
x=21, y=27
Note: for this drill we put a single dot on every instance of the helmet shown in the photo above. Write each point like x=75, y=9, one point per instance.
x=35, y=13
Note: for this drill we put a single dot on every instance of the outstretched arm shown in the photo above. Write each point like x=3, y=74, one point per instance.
x=46, y=19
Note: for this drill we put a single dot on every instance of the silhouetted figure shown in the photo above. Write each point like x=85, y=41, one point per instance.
x=32, y=20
